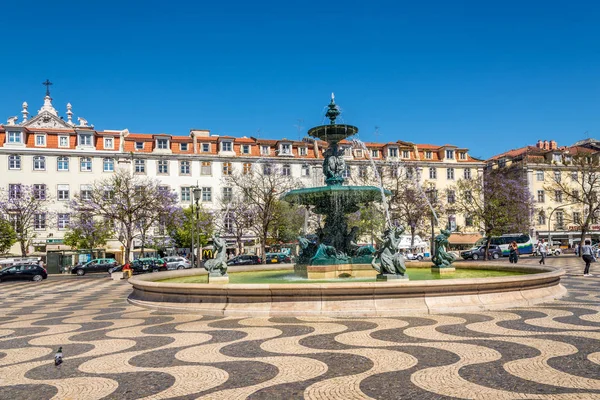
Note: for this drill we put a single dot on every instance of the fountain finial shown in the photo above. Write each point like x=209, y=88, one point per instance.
x=333, y=111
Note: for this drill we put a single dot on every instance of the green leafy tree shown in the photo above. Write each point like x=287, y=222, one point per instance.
x=8, y=237
x=288, y=223
x=85, y=232
x=182, y=235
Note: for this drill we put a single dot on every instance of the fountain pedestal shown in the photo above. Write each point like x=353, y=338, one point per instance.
x=443, y=270
x=333, y=271
x=218, y=279
x=391, y=277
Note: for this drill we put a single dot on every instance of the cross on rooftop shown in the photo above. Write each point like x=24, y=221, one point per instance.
x=47, y=84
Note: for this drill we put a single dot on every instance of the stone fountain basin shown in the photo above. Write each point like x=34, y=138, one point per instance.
x=333, y=133
x=322, y=196
x=359, y=299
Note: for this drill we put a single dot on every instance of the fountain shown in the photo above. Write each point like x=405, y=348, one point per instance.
x=334, y=252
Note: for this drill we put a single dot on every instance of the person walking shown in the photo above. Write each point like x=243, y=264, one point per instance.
x=588, y=255
x=543, y=250
x=513, y=256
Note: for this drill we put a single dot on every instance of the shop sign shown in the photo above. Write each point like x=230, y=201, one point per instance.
x=593, y=227
x=207, y=254
x=54, y=241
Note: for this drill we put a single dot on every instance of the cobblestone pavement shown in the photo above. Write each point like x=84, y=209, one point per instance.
x=113, y=350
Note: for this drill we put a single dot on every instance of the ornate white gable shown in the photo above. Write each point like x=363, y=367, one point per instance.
x=46, y=119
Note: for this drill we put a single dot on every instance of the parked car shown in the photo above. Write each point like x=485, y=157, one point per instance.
x=277, y=258
x=31, y=272
x=553, y=251
x=95, y=265
x=142, y=265
x=177, y=263
x=245, y=259
x=414, y=256
x=477, y=252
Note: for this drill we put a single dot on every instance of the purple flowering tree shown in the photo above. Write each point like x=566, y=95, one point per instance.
x=499, y=202
x=26, y=208
x=125, y=199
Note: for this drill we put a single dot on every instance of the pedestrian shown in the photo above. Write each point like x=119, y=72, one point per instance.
x=576, y=250
x=513, y=256
x=543, y=250
x=588, y=255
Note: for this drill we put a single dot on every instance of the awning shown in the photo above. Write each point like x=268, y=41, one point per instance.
x=464, y=238
x=58, y=247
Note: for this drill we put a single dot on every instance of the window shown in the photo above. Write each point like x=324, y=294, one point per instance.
x=556, y=176
x=432, y=194
x=227, y=194
x=540, y=176
x=450, y=174
x=541, y=218
x=347, y=150
x=140, y=166
x=405, y=154
x=228, y=223
x=393, y=152
x=14, y=162
x=85, y=139
x=109, y=143
x=577, y=218
x=39, y=191
x=206, y=147
x=574, y=176
x=393, y=171
x=468, y=196
x=432, y=173
x=286, y=149
x=183, y=146
x=62, y=193
x=63, y=141
x=462, y=156
x=39, y=163
x=108, y=165
x=15, y=221
x=451, y=197
x=164, y=189
x=468, y=218
x=85, y=164
x=163, y=167
x=428, y=155
x=85, y=192
x=467, y=173
x=139, y=145
x=206, y=168
x=14, y=191
x=556, y=157
x=206, y=194
x=303, y=151
x=39, y=221
x=362, y=171
x=226, y=146
x=14, y=137
x=558, y=196
x=62, y=163
x=559, y=220
x=540, y=196
x=452, y=222
x=305, y=170
x=40, y=140
x=184, y=167
x=63, y=221
x=450, y=154
x=264, y=150
x=245, y=149
x=374, y=153
x=186, y=194
x=286, y=170
x=575, y=195
x=266, y=169
x=247, y=168
x=162, y=144
x=347, y=173
x=227, y=170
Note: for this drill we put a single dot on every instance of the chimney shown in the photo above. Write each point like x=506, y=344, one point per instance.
x=539, y=144
x=553, y=145
x=546, y=145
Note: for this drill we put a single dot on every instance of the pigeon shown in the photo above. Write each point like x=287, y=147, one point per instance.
x=58, y=357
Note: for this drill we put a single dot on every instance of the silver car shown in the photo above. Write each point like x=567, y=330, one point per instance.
x=177, y=263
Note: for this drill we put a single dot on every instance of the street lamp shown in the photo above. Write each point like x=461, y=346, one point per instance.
x=197, y=194
x=550, y=219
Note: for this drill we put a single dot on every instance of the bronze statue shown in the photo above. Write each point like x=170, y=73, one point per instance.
x=442, y=258
x=390, y=261
x=218, y=265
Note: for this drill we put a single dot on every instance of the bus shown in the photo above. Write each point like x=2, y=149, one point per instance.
x=524, y=242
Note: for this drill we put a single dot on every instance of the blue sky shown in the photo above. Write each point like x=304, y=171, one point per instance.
x=487, y=75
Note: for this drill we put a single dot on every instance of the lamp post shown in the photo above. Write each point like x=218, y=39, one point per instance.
x=550, y=219
x=430, y=194
x=197, y=194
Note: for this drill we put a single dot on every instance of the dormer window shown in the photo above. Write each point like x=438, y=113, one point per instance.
x=245, y=149
x=502, y=163
x=85, y=139
x=40, y=140
x=359, y=153
x=450, y=154
x=285, y=149
x=375, y=153
x=15, y=137
x=302, y=151
x=109, y=143
x=392, y=152
x=226, y=146
x=428, y=155
x=63, y=141
x=264, y=150
x=556, y=157
x=405, y=154
x=183, y=146
x=206, y=147
x=162, y=144
x=462, y=156
x=139, y=145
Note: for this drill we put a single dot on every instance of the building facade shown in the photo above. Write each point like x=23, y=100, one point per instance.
x=66, y=157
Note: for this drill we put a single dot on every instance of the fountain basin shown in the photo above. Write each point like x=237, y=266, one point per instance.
x=322, y=196
x=333, y=133
x=351, y=299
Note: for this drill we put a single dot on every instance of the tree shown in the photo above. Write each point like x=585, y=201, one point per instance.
x=288, y=223
x=261, y=190
x=8, y=237
x=579, y=189
x=87, y=232
x=499, y=202
x=26, y=208
x=183, y=233
x=235, y=218
x=127, y=201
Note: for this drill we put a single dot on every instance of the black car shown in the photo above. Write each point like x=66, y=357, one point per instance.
x=96, y=265
x=277, y=258
x=477, y=252
x=245, y=259
x=142, y=265
x=30, y=272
